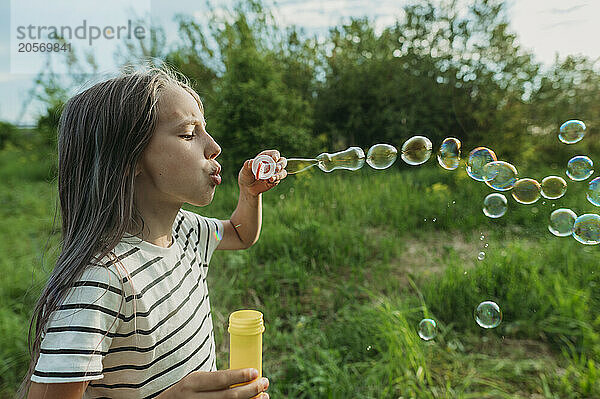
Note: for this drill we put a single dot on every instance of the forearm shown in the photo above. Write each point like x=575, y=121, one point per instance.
x=247, y=217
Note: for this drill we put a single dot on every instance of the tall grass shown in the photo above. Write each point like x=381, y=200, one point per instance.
x=346, y=266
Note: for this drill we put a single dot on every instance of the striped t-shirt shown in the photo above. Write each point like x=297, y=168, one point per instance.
x=143, y=352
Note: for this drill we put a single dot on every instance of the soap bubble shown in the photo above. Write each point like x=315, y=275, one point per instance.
x=553, y=187
x=352, y=158
x=586, y=229
x=488, y=314
x=561, y=222
x=416, y=150
x=571, y=131
x=495, y=205
x=427, y=329
x=381, y=156
x=481, y=256
x=526, y=191
x=449, y=153
x=478, y=158
x=580, y=168
x=499, y=175
x=593, y=191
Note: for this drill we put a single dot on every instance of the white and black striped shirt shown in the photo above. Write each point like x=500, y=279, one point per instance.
x=95, y=335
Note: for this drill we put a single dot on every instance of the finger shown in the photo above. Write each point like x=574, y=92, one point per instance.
x=273, y=154
x=199, y=381
x=283, y=162
x=249, y=164
x=251, y=390
x=242, y=392
x=278, y=176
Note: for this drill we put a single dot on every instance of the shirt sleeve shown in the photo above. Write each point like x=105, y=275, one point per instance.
x=211, y=233
x=79, y=333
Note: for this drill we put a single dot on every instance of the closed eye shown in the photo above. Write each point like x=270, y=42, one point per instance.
x=196, y=127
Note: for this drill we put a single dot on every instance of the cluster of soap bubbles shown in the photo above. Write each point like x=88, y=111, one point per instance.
x=415, y=151
x=487, y=315
x=585, y=228
x=481, y=254
x=482, y=165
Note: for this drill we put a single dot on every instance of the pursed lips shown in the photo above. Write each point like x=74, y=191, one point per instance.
x=216, y=171
x=214, y=175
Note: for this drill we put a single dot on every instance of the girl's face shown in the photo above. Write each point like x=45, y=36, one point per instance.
x=178, y=165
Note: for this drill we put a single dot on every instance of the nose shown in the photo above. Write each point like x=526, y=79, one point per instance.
x=212, y=149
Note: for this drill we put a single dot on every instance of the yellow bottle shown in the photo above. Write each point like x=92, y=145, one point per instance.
x=245, y=340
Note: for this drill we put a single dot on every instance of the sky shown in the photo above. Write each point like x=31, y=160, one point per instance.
x=545, y=27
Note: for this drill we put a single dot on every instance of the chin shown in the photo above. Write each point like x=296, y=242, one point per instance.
x=201, y=203
x=205, y=200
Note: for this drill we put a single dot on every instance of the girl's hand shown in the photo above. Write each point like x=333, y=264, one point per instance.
x=248, y=182
x=216, y=384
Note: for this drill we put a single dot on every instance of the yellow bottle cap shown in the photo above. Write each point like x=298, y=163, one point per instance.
x=246, y=322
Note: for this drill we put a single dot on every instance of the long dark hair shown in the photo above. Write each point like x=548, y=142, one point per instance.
x=101, y=135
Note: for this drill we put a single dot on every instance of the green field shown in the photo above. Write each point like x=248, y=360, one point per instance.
x=346, y=266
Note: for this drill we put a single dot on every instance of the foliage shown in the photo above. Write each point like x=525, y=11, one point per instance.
x=7, y=134
x=352, y=260
x=445, y=68
x=435, y=73
x=257, y=101
x=346, y=266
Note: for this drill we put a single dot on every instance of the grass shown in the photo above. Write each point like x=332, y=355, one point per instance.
x=346, y=266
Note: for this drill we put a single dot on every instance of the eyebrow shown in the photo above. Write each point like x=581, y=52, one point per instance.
x=190, y=121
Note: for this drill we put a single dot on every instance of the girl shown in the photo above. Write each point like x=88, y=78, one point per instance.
x=125, y=312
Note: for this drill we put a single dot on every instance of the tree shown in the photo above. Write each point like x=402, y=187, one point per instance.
x=255, y=99
x=7, y=134
x=435, y=73
x=569, y=89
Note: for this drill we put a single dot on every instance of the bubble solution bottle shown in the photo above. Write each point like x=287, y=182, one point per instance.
x=245, y=340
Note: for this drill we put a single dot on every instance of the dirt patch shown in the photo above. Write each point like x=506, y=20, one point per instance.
x=525, y=348
x=511, y=348
x=427, y=255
